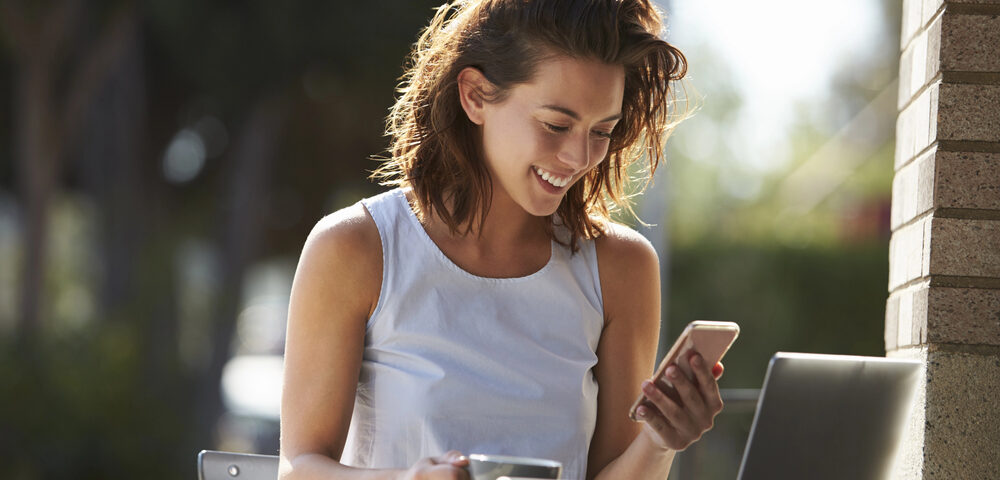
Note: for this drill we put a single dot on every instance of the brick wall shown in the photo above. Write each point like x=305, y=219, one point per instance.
x=944, y=265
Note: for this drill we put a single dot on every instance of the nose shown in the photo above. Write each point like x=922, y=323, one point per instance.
x=575, y=151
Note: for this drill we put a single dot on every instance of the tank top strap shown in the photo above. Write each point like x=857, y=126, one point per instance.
x=387, y=210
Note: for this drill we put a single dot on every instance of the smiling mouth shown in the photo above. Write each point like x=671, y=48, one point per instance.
x=551, y=178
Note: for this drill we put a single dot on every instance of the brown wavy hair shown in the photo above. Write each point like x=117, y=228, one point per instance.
x=434, y=146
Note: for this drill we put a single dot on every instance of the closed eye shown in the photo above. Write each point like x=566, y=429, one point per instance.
x=602, y=134
x=555, y=128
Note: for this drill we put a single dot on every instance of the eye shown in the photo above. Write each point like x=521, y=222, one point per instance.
x=555, y=128
x=606, y=135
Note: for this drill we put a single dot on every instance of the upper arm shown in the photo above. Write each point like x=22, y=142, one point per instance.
x=630, y=285
x=335, y=289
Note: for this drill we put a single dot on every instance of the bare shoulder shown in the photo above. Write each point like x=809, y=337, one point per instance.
x=621, y=250
x=629, y=274
x=350, y=228
x=344, y=251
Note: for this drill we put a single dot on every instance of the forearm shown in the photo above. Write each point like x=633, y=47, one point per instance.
x=642, y=459
x=316, y=467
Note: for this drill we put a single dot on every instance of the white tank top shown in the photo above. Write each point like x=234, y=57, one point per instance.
x=481, y=365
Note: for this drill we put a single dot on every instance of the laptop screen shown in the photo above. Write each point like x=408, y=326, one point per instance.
x=829, y=417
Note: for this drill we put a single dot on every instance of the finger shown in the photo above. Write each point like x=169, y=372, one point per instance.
x=689, y=393
x=455, y=457
x=448, y=472
x=717, y=370
x=671, y=436
x=448, y=457
x=699, y=367
x=658, y=423
x=708, y=386
x=669, y=408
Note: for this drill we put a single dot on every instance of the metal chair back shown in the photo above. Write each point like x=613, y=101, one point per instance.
x=215, y=465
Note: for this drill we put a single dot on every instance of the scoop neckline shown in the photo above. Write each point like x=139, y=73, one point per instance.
x=401, y=196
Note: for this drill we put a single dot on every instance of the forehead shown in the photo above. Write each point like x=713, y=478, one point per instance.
x=589, y=87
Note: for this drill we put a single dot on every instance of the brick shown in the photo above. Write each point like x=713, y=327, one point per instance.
x=919, y=63
x=929, y=9
x=961, y=247
x=918, y=69
x=934, y=113
x=963, y=315
x=913, y=189
x=933, y=51
x=938, y=179
x=902, y=194
x=967, y=180
x=962, y=415
x=925, y=183
x=891, y=323
x=969, y=112
x=906, y=87
x=909, y=461
x=912, y=10
x=906, y=312
x=904, y=137
x=970, y=43
x=914, y=127
x=904, y=326
x=908, y=259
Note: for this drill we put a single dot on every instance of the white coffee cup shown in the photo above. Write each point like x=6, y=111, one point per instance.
x=493, y=467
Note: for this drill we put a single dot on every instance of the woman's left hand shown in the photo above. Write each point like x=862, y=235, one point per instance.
x=680, y=416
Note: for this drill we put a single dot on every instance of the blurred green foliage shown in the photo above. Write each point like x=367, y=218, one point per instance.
x=801, y=299
x=83, y=408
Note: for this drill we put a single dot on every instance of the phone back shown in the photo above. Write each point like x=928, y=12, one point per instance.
x=711, y=342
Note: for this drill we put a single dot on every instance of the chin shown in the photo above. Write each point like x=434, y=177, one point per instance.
x=542, y=209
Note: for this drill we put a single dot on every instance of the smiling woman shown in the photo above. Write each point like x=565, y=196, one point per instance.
x=488, y=304
x=431, y=149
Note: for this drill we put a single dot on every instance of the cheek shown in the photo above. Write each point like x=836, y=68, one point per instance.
x=598, y=151
x=514, y=140
x=545, y=142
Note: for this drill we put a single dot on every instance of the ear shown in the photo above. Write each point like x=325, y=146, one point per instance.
x=471, y=85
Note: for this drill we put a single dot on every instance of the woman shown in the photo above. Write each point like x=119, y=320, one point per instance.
x=487, y=304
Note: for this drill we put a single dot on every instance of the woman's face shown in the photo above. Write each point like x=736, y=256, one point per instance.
x=548, y=133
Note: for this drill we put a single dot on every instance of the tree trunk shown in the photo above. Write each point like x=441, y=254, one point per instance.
x=35, y=160
x=244, y=187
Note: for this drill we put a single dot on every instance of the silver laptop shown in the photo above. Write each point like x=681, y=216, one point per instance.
x=829, y=417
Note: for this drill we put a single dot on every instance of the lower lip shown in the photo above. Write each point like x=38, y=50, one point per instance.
x=548, y=187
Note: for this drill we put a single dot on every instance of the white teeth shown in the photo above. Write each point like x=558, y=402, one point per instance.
x=552, y=179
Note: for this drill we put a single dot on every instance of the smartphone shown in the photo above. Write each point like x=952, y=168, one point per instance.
x=710, y=339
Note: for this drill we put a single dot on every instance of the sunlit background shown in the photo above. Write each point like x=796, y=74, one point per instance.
x=162, y=162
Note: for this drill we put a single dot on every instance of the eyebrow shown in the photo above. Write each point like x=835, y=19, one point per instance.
x=576, y=116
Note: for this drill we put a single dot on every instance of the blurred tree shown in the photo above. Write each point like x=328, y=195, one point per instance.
x=282, y=104
x=808, y=277
x=57, y=70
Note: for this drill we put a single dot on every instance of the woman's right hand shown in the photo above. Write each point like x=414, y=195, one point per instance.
x=450, y=466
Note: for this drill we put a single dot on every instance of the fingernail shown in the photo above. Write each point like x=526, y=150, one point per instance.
x=641, y=411
x=672, y=372
x=646, y=385
x=696, y=360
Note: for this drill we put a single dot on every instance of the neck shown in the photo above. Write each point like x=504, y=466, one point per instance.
x=507, y=227
x=507, y=224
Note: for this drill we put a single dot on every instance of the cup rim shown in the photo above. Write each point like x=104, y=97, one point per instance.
x=539, y=462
